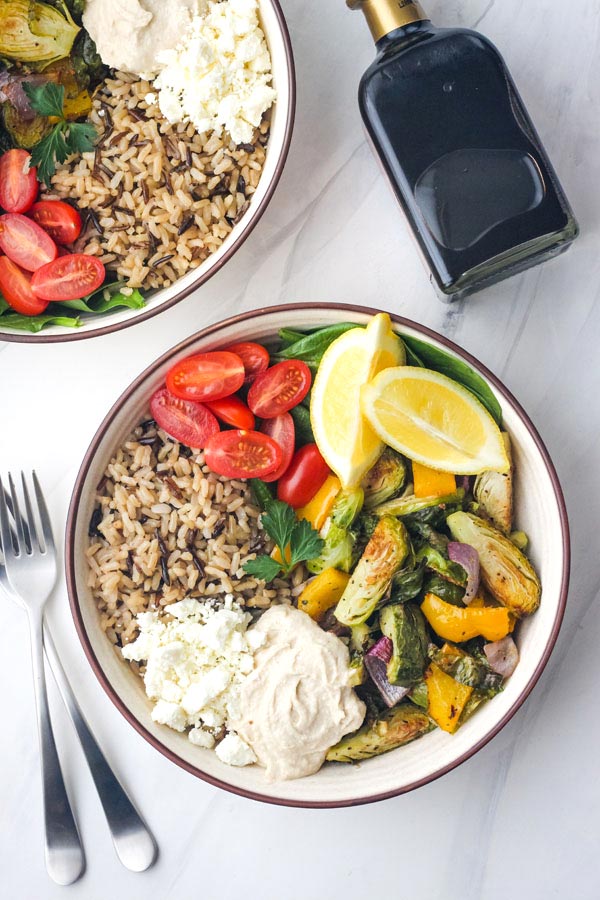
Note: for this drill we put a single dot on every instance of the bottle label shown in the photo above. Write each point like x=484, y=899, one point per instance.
x=384, y=16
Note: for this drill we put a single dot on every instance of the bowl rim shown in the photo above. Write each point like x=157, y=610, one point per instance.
x=70, y=554
x=82, y=335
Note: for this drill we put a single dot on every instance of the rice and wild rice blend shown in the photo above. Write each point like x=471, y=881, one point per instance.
x=165, y=527
x=160, y=198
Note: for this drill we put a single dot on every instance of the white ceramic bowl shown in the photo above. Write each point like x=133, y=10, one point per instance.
x=540, y=511
x=278, y=39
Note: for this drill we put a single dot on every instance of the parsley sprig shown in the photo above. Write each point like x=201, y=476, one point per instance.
x=65, y=137
x=294, y=538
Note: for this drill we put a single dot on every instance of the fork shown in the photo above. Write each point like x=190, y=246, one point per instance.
x=31, y=572
x=132, y=840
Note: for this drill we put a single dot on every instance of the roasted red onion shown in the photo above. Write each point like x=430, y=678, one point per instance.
x=467, y=557
x=502, y=656
x=376, y=662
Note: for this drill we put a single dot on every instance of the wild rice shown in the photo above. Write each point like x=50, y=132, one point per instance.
x=165, y=527
x=161, y=198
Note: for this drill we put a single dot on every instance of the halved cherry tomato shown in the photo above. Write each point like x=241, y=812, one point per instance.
x=18, y=182
x=69, y=277
x=282, y=430
x=191, y=423
x=15, y=287
x=254, y=356
x=61, y=221
x=25, y=242
x=232, y=411
x=207, y=376
x=279, y=389
x=242, y=454
x=305, y=475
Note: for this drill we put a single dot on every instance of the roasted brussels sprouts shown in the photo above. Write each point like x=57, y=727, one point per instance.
x=407, y=583
x=385, y=479
x=506, y=572
x=382, y=558
x=35, y=33
x=399, y=726
x=347, y=507
x=408, y=503
x=466, y=669
x=438, y=562
x=338, y=549
x=404, y=625
x=493, y=491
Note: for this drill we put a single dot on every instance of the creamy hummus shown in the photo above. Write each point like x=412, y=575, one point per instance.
x=130, y=33
x=296, y=703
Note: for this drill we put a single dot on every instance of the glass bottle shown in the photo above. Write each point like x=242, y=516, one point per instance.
x=460, y=150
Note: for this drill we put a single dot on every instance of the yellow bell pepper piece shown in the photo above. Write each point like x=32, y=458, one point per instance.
x=316, y=510
x=446, y=698
x=323, y=592
x=429, y=483
x=458, y=624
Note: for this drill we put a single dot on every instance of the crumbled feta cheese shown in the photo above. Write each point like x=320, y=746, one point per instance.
x=195, y=665
x=234, y=751
x=219, y=76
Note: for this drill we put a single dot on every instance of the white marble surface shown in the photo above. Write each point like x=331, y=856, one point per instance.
x=521, y=818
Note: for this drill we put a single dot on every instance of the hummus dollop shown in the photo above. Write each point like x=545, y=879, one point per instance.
x=129, y=34
x=296, y=703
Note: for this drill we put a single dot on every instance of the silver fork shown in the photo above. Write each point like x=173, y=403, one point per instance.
x=132, y=840
x=31, y=572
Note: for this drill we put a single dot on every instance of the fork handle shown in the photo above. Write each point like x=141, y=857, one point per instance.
x=65, y=860
x=133, y=842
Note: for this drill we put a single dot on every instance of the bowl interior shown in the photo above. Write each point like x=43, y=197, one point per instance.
x=275, y=30
x=539, y=512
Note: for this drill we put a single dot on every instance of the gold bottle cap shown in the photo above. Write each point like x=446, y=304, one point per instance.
x=384, y=16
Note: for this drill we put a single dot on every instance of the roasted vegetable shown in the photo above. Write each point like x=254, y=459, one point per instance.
x=382, y=558
x=418, y=694
x=35, y=33
x=502, y=656
x=505, y=571
x=430, y=483
x=377, y=661
x=407, y=583
x=24, y=132
x=318, y=509
x=467, y=669
x=322, y=592
x=347, y=507
x=385, y=479
x=404, y=625
x=439, y=562
x=338, y=548
x=408, y=504
x=459, y=624
x=446, y=590
x=493, y=491
x=446, y=698
x=399, y=726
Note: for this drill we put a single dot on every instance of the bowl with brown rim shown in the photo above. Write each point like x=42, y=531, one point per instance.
x=280, y=134
x=539, y=511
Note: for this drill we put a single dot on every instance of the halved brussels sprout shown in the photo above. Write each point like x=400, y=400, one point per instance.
x=494, y=493
x=399, y=726
x=382, y=558
x=35, y=32
x=385, y=479
x=505, y=571
x=408, y=503
x=338, y=549
x=404, y=625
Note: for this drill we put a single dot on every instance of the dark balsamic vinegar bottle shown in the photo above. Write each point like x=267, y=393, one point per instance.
x=460, y=150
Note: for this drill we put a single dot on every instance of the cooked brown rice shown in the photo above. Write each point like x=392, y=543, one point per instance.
x=160, y=198
x=165, y=527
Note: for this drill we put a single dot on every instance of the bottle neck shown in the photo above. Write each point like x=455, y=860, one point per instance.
x=385, y=16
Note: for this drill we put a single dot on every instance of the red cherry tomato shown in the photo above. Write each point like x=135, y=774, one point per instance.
x=191, y=423
x=232, y=411
x=254, y=356
x=58, y=219
x=282, y=430
x=25, y=243
x=242, y=454
x=305, y=475
x=15, y=287
x=69, y=277
x=18, y=182
x=207, y=376
x=279, y=389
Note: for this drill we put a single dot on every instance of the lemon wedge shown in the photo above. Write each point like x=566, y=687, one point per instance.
x=434, y=421
x=344, y=437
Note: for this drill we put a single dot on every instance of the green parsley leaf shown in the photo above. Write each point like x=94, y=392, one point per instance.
x=80, y=137
x=51, y=150
x=279, y=522
x=305, y=543
x=264, y=567
x=45, y=99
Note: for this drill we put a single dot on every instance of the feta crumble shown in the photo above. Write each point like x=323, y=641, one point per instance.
x=195, y=666
x=219, y=76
